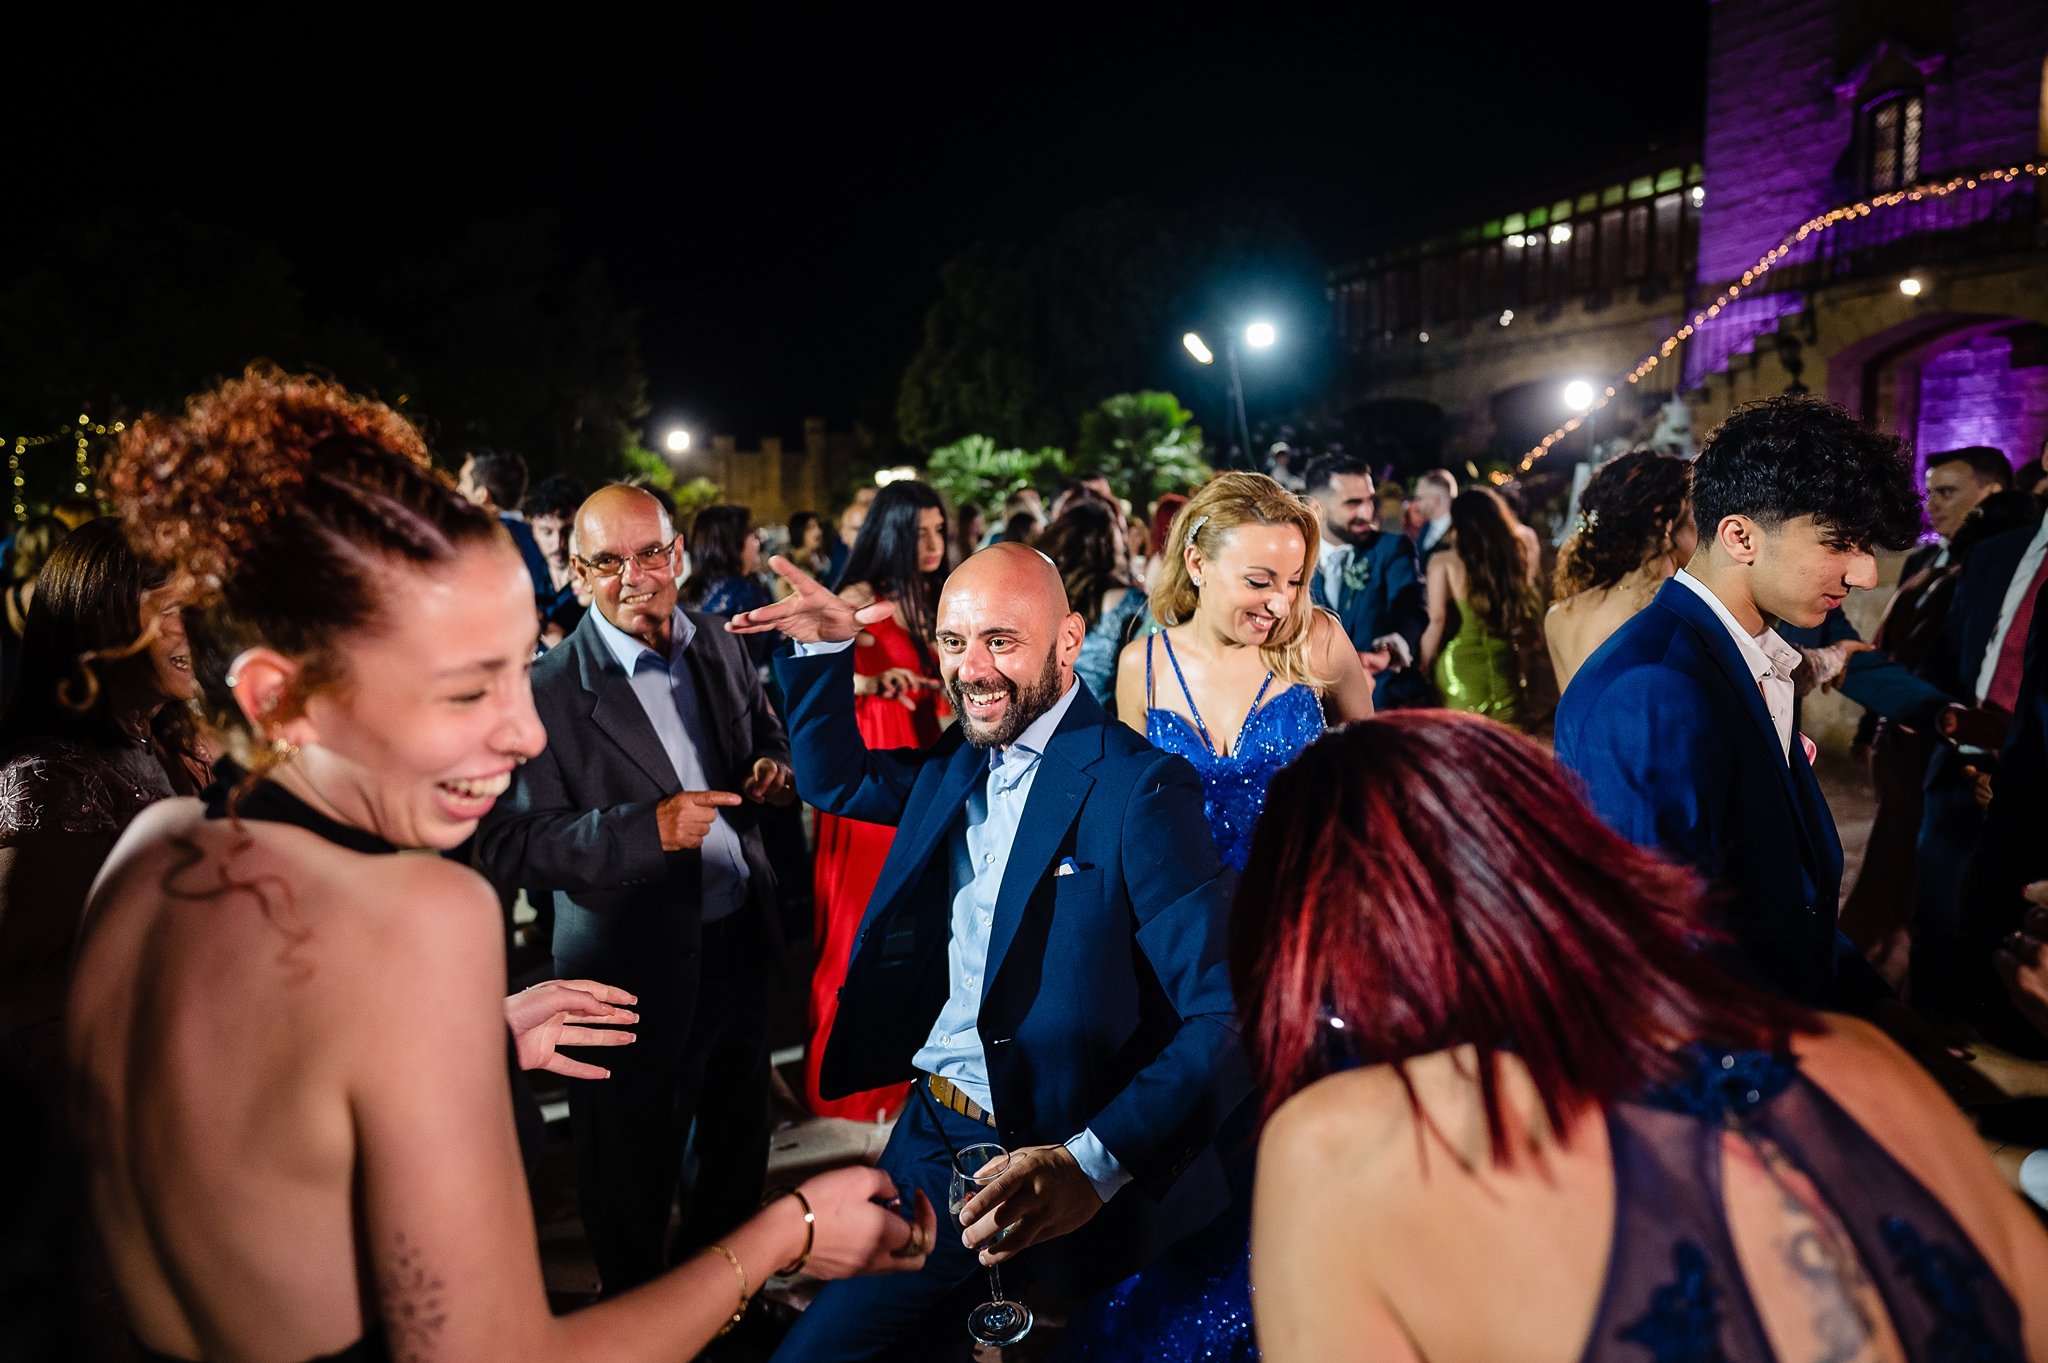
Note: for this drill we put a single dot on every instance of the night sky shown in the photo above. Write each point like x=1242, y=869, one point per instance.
x=776, y=201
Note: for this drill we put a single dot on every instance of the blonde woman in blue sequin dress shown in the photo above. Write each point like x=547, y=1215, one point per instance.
x=1239, y=682
x=1247, y=669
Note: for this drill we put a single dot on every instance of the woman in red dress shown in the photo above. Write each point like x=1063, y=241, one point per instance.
x=900, y=558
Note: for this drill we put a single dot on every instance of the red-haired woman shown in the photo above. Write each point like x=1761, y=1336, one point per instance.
x=1515, y=1112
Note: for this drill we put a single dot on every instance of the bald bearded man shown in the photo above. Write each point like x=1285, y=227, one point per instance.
x=1044, y=955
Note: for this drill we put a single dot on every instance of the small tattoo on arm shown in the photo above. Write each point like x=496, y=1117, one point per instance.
x=410, y=1293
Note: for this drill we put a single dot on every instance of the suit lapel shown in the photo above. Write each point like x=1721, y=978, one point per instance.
x=707, y=673
x=616, y=711
x=914, y=847
x=1721, y=647
x=1058, y=790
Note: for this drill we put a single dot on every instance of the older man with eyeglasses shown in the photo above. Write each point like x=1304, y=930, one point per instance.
x=643, y=815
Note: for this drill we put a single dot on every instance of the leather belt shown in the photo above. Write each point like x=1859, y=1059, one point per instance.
x=948, y=1096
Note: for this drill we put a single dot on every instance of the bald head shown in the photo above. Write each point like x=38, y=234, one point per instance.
x=1016, y=571
x=1007, y=641
x=628, y=555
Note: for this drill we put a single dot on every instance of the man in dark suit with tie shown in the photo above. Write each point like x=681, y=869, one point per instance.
x=1681, y=724
x=1043, y=955
x=643, y=815
x=1980, y=663
x=1369, y=577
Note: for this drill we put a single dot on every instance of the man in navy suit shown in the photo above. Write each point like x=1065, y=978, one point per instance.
x=1681, y=724
x=1369, y=577
x=1980, y=663
x=1043, y=955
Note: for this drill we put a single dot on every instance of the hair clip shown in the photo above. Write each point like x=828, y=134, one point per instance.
x=1196, y=529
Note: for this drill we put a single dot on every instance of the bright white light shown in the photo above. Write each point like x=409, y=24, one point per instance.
x=1560, y=234
x=901, y=473
x=678, y=440
x=1699, y=195
x=1423, y=337
x=1507, y=315
x=1260, y=335
x=1515, y=241
x=1910, y=286
x=1578, y=395
x=1195, y=347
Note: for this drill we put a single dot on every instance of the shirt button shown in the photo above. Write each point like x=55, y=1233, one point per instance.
x=988, y=858
x=945, y=1039
x=987, y=919
x=968, y=981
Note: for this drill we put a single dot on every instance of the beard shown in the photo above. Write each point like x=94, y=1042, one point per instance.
x=1024, y=704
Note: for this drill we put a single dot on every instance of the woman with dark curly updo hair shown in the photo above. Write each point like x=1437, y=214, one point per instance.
x=288, y=1047
x=1635, y=530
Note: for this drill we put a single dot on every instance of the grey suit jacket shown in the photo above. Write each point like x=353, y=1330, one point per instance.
x=579, y=819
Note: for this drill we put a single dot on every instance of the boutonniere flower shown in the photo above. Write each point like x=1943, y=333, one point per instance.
x=1357, y=572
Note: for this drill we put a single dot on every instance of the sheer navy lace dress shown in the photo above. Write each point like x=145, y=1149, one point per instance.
x=1675, y=1291
x=1195, y=1302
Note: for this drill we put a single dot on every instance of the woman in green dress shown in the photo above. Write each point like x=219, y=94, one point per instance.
x=1480, y=603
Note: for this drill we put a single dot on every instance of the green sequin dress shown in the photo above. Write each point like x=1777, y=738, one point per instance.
x=1479, y=672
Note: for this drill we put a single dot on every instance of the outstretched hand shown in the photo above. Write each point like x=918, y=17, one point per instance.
x=810, y=614
x=546, y=1017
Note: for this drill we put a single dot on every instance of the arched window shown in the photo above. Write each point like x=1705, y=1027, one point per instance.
x=1891, y=141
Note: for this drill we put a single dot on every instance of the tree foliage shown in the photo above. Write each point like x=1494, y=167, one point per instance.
x=1146, y=442
x=972, y=469
x=1025, y=339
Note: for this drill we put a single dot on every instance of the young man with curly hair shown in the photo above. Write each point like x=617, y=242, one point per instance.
x=1681, y=725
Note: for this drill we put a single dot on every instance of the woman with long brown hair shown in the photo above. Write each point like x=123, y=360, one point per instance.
x=1514, y=1111
x=1480, y=601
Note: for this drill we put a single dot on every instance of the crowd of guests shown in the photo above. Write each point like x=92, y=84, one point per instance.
x=1198, y=853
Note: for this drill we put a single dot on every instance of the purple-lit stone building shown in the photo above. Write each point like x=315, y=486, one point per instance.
x=1468, y=340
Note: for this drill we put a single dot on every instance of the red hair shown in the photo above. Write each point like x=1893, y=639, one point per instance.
x=1428, y=880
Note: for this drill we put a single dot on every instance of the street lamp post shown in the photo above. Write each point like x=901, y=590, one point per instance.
x=1258, y=336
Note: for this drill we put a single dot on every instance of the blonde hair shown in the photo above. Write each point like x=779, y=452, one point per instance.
x=1219, y=507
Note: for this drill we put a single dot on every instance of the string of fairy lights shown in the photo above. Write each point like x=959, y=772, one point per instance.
x=1812, y=227
x=79, y=435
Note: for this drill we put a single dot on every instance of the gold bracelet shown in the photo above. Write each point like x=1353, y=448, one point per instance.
x=740, y=1269
x=810, y=1228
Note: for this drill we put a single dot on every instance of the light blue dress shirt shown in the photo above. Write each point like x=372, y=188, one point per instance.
x=668, y=693
x=953, y=1050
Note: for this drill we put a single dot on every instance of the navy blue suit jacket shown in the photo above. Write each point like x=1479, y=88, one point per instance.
x=1974, y=609
x=1668, y=731
x=1107, y=1005
x=1389, y=601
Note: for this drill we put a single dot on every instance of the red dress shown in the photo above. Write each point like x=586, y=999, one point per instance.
x=849, y=860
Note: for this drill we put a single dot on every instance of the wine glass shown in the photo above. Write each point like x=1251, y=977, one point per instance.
x=995, y=1322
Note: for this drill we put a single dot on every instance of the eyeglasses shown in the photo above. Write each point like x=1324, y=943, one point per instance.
x=611, y=565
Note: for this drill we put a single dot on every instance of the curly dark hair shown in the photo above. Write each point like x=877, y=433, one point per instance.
x=1786, y=457
x=1626, y=517
x=1497, y=582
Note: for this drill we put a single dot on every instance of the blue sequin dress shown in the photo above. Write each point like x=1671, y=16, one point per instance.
x=1195, y=1301
x=1234, y=783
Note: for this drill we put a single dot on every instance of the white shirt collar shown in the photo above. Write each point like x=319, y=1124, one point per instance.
x=1031, y=743
x=1768, y=655
x=629, y=650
